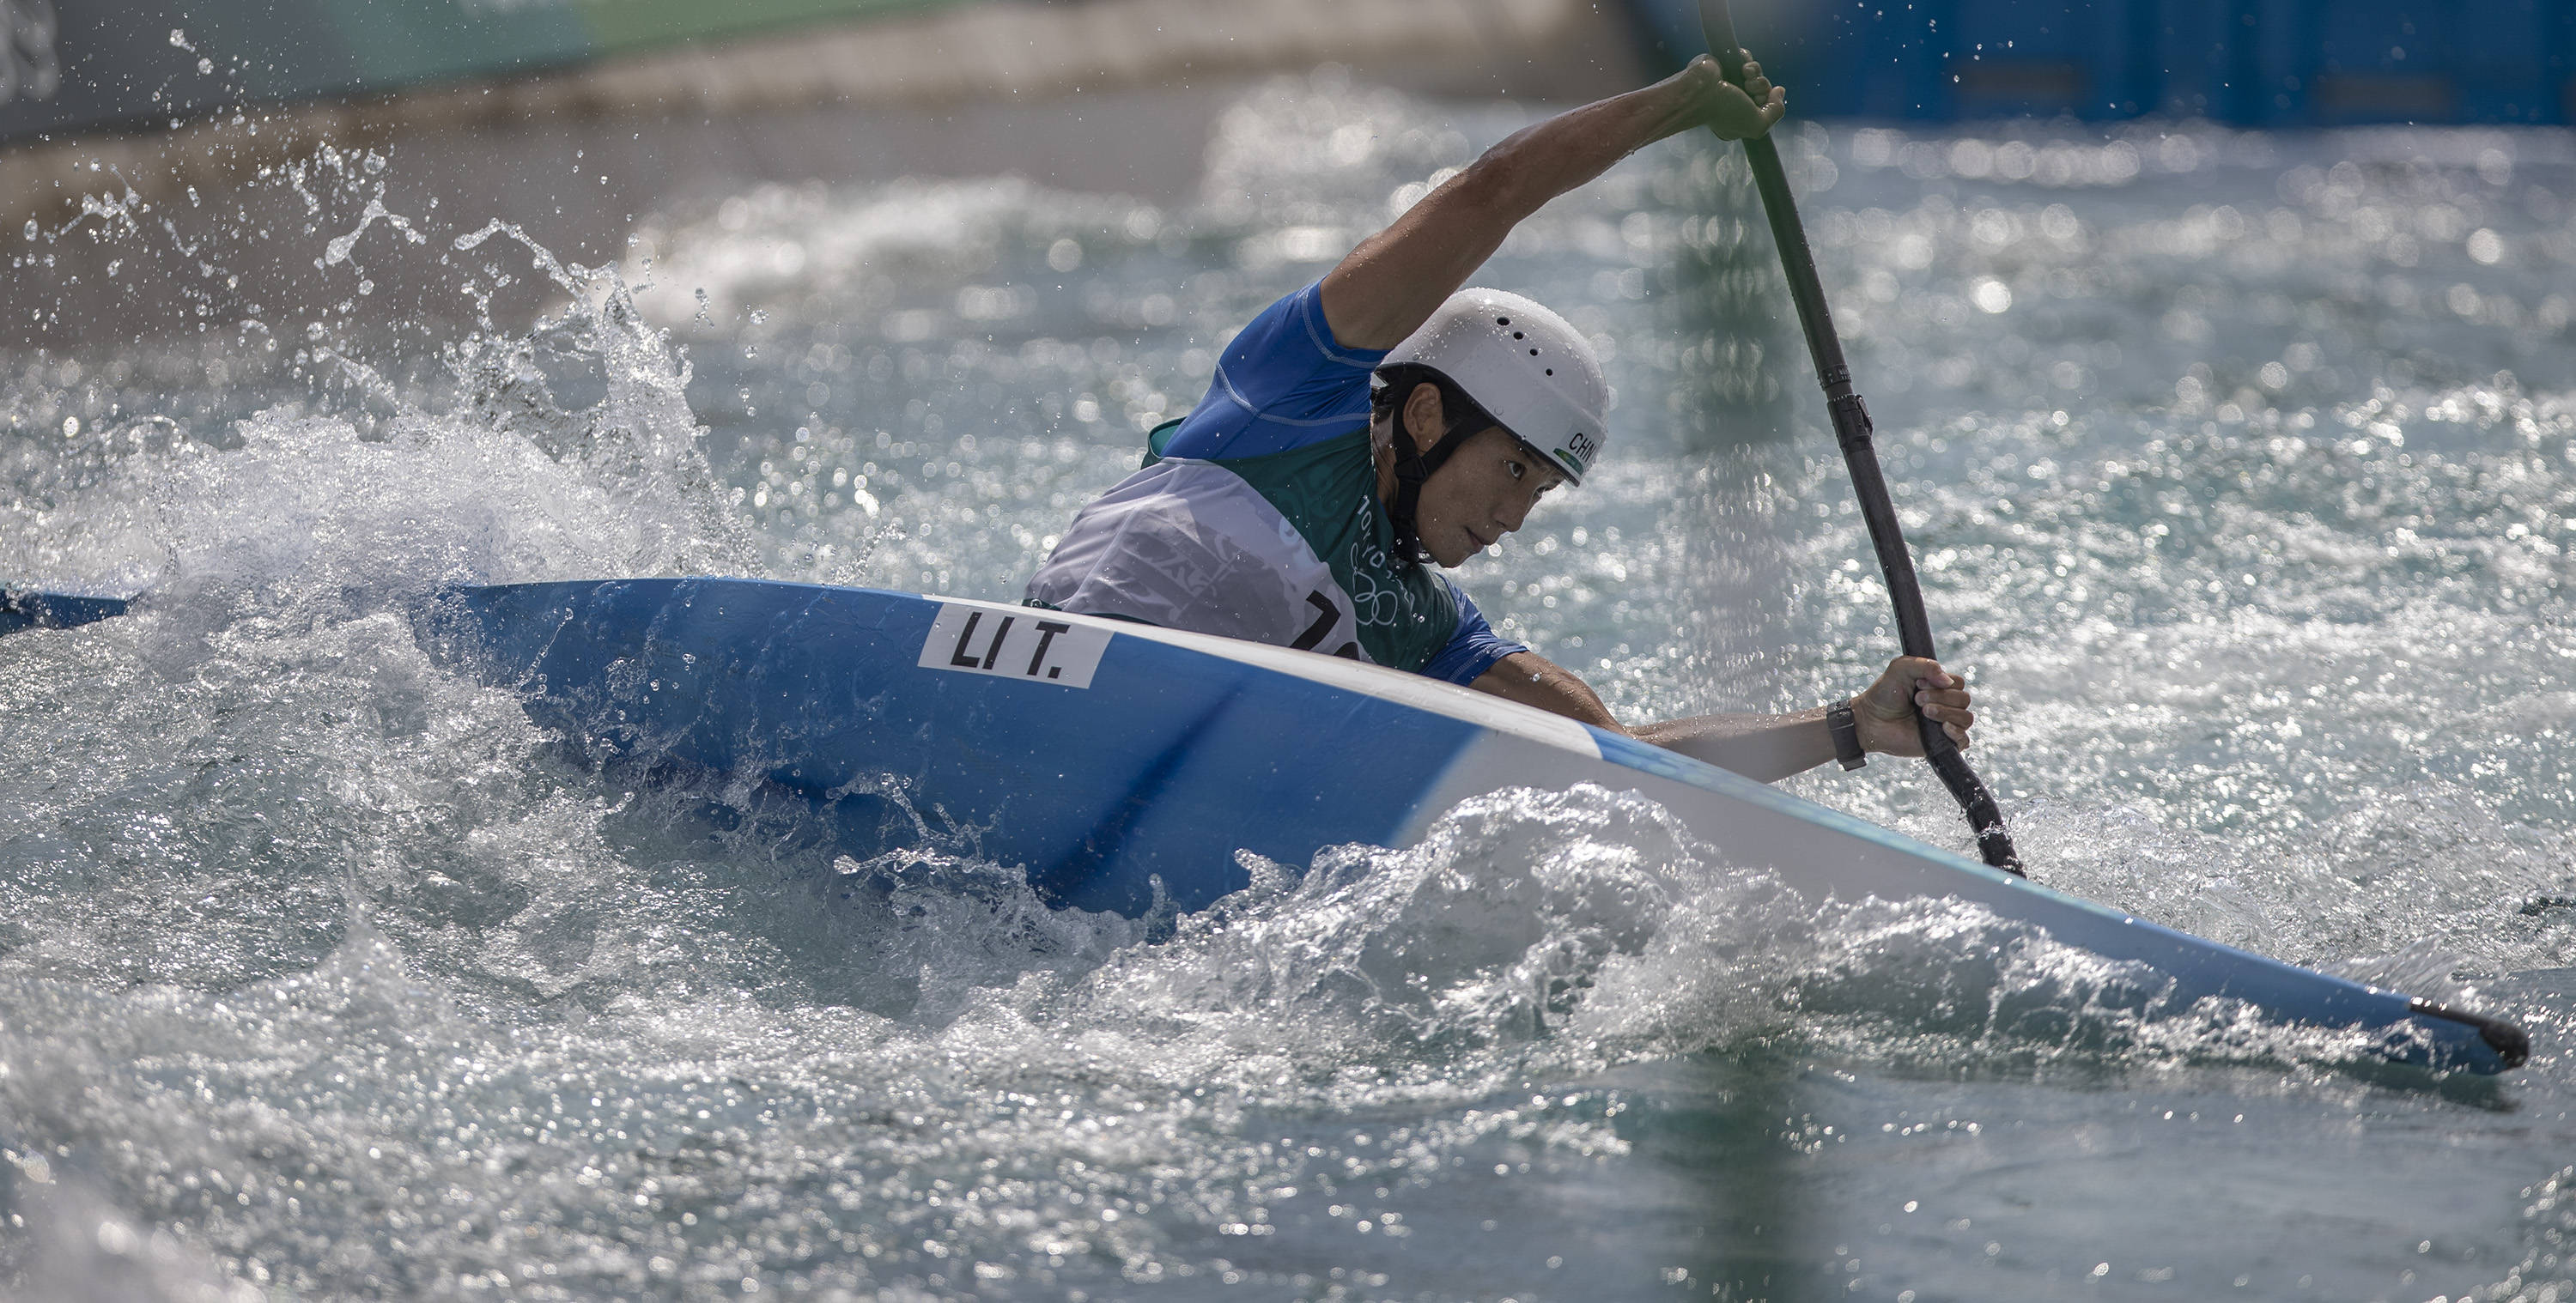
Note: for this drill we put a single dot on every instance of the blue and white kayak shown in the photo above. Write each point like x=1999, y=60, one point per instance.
x=1125, y=765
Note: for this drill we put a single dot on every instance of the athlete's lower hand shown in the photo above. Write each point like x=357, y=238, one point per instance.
x=1885, y=711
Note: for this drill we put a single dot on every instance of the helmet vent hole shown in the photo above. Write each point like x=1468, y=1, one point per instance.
x=1533, y=352
x=1516, y=334
x=1504, y=321
x=1551, y=370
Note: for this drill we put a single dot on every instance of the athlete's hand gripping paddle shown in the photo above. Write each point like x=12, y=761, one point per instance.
x=1852, y=431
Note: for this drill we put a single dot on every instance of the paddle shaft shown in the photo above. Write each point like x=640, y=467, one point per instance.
x=1852, y=430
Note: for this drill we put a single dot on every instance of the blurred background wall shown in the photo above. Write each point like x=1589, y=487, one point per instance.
x=170, y=93
x=102, y=83
x=134, y=63
x=573, y=119
x=584, y=114
x=2255, y=63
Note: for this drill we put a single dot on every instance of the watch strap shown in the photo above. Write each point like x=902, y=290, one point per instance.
x=1846, y=731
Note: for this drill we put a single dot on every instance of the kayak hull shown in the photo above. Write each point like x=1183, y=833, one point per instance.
x=1125, y=766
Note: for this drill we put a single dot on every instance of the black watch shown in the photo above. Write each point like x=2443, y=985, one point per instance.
x=1846, y=731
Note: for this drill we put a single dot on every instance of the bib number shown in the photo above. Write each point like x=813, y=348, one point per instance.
x=1327, y=616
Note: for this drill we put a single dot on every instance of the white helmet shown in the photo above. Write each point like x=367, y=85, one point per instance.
x=1529, y=368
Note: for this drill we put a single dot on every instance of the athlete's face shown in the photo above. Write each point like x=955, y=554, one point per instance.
x=1484, y=491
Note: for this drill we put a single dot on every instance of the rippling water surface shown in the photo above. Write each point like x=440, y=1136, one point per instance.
x=2238, y=465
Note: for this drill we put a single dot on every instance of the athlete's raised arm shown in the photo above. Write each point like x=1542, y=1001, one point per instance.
x=1393, y=281
x=1763, y=747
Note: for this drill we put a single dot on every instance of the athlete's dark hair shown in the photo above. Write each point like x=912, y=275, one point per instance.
x=1414, y=463
x=1458, y=412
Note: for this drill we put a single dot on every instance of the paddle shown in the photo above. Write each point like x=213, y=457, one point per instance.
x=1852, y=430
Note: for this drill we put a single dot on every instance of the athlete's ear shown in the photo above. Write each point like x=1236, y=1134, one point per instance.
x=1423, y=417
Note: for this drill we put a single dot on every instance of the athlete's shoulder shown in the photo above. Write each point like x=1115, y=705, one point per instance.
x=1282, y=382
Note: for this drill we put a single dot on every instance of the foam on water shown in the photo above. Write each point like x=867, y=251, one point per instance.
x=439, y=1074
x=327, y=973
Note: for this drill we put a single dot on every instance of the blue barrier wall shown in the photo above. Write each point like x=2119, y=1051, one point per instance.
x=2265, y=63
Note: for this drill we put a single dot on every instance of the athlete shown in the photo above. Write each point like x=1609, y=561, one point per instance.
x=1303, y=506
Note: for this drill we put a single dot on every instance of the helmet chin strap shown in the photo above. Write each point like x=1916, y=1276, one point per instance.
x=1413, y=467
